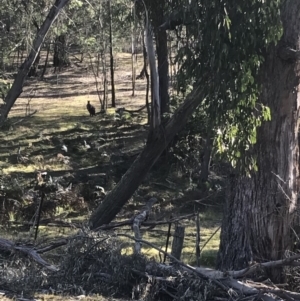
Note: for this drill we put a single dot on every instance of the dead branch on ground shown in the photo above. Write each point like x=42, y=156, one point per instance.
x=150, y=224
x=227, y=279
x=9, y=246
x=26, y=117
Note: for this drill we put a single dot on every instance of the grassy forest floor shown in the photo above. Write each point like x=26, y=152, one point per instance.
x=61, y=118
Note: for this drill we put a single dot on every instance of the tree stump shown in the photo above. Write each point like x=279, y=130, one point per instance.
x=178, y=241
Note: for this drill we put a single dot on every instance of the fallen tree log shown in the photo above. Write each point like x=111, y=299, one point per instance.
x=227, y=279
x=99, y=252
x=49, y=222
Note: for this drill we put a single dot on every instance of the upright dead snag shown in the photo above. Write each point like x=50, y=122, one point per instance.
x=155, y=112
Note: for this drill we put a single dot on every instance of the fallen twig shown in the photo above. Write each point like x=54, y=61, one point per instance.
x=22, y=119
x=145, y=224
x=53, y=246
x=209, y=239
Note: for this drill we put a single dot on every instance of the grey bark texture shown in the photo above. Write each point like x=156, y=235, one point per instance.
x=178, y=239
x=260, y=210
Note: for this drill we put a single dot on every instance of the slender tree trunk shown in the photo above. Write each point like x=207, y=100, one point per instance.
x=260, y=210
x=17, y=86
x=98, y=64
x=157, y=142
x=60, y=57
x=133, y=49
x=113, y=94
x=46, y=61
x=147, y=85
x=163, y=69
x=205, y=165
x=155, y=103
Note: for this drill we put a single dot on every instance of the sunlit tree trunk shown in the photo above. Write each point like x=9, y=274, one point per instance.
x=260, y=210
x=133, y=49
x=163, y=64
x=112, y=76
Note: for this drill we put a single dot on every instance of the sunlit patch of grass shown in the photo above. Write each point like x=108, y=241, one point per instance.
x=26, y=169
x=46, y=232
x=49, y=297
x=19, y=168
x=209, y=257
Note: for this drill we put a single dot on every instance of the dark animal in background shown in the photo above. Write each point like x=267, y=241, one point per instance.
x=91, y=109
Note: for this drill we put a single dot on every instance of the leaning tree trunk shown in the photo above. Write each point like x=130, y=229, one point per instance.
x=260, y=210
x=157, y=141
x=17, y=86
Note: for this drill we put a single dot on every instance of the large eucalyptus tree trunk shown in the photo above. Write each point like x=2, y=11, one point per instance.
x=260, y=210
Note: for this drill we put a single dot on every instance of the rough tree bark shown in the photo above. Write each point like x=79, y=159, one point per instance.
x=17, y=86
x=260, y=210
x=157, y=142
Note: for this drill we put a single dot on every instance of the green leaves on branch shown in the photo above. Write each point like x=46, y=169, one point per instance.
x=228, y=41
x=235, y=139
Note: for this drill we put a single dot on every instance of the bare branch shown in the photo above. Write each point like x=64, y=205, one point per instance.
x=53, y=246
x=151, y=224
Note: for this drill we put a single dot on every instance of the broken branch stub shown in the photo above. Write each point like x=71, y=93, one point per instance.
x=138, y=220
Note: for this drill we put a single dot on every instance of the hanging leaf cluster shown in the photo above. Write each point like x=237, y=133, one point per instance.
x=228, y=41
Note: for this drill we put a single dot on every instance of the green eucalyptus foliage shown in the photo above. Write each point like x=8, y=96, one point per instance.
x=227, y=42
